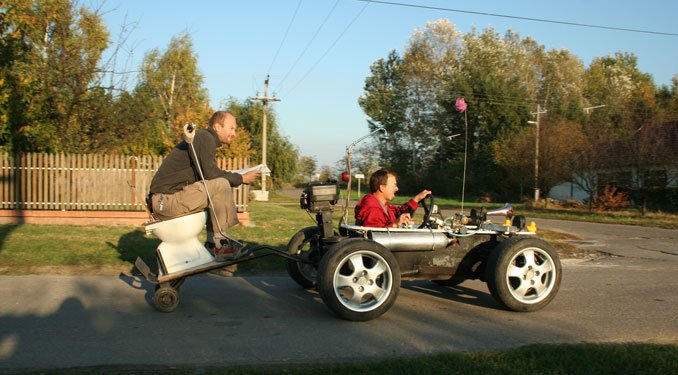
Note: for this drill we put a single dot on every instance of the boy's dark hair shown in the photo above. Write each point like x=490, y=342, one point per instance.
x=379, y=178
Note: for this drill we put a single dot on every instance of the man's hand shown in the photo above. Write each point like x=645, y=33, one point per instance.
x=417, y=198
x=403, y=220
x=249, y=177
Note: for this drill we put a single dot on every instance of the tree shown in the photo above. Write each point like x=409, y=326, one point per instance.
x=631, y=119
x=364, y=160
x=171, y=84
x=560, y=142
x=307, y=167
x=49, y=55
x=326, y=173
x=402, y=94
x=384, y=102
x=282, y=155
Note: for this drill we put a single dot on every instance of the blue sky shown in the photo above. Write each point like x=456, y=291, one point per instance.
x=236, y=42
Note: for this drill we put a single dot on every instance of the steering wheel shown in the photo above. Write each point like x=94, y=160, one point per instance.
x=428, y=209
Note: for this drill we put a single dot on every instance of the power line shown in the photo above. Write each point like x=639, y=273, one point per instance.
x=309, y=43
x=522, y=18
x=285, y=37
x=329, y=48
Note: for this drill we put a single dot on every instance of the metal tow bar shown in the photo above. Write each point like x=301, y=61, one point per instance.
x=155, y=279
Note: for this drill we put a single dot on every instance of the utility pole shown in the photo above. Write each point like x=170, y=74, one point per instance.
x=264, y=100
x=536, y=152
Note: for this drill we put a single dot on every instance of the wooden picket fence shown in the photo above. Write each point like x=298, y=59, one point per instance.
x=87, y=182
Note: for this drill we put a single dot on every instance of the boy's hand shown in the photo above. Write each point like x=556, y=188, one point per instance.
x=424, y=193
x=403, y=220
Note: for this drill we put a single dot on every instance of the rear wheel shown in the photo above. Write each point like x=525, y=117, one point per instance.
x=166, y=299
x=359, y=279
x=524, y=274
x=304, y=244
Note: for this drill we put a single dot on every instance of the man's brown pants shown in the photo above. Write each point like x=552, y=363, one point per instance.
x=193, y=198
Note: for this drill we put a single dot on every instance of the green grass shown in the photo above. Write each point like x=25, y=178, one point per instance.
x=63, y=249
x=585, y=359
x=533, y=359
x=35, y=249
x=625, y=217
x=26, y=249
x=23, y=247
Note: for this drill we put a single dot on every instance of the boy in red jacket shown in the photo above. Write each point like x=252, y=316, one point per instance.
x=373, y=210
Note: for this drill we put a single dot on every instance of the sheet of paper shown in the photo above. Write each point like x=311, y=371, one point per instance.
x=261, y=168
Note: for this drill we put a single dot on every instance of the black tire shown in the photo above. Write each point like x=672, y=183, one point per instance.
x=166, y=299
x=304, y=244
x=359, y=279
x=524, y=274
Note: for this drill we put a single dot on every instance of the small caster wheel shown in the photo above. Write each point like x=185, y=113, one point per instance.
x=166, y=299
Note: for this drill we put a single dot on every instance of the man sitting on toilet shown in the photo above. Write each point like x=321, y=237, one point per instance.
x=176, y=188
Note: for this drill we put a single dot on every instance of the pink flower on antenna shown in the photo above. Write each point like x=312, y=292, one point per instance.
x=460, y=105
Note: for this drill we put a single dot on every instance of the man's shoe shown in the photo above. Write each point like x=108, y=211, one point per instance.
x=230, y=250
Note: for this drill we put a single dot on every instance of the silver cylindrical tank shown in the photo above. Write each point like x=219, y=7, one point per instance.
x=415, y=240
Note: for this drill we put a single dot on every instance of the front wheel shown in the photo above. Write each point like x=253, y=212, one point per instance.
x=359, y=279
x=524, y=274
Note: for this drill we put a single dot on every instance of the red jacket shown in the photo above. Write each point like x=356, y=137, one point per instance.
x=370, y=213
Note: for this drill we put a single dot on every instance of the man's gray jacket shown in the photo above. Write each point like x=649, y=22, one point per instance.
x=178, y=169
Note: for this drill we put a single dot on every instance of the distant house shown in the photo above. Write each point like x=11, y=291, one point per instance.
x=649, y=163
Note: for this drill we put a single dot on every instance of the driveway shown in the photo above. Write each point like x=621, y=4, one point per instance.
x=620, y=240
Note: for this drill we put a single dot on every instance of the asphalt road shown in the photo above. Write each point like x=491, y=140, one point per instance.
x=67, y=321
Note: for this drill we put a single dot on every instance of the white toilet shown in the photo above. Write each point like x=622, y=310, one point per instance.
x=180, y=248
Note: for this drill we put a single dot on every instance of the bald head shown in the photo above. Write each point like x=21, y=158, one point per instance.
x=224, y=125
x=220, y=117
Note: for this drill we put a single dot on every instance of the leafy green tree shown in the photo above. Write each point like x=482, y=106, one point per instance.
x=307, y=167
x=631, y=116
x=172, y=85
x=502, y=78
x=384, y=101
x=560, y=142
x=49, y=55
x=282, y=155
x=403, y=95
x=327, y=173
x=363, y=159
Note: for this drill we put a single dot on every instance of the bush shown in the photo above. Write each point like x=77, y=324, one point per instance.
x=656, y=199
x=611, y=200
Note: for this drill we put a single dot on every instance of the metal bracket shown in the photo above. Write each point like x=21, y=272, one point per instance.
x=146, y=271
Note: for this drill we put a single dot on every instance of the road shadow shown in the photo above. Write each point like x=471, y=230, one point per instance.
x=457, y=293
x=15, y=180
x=136, y=244
x=96, y=321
